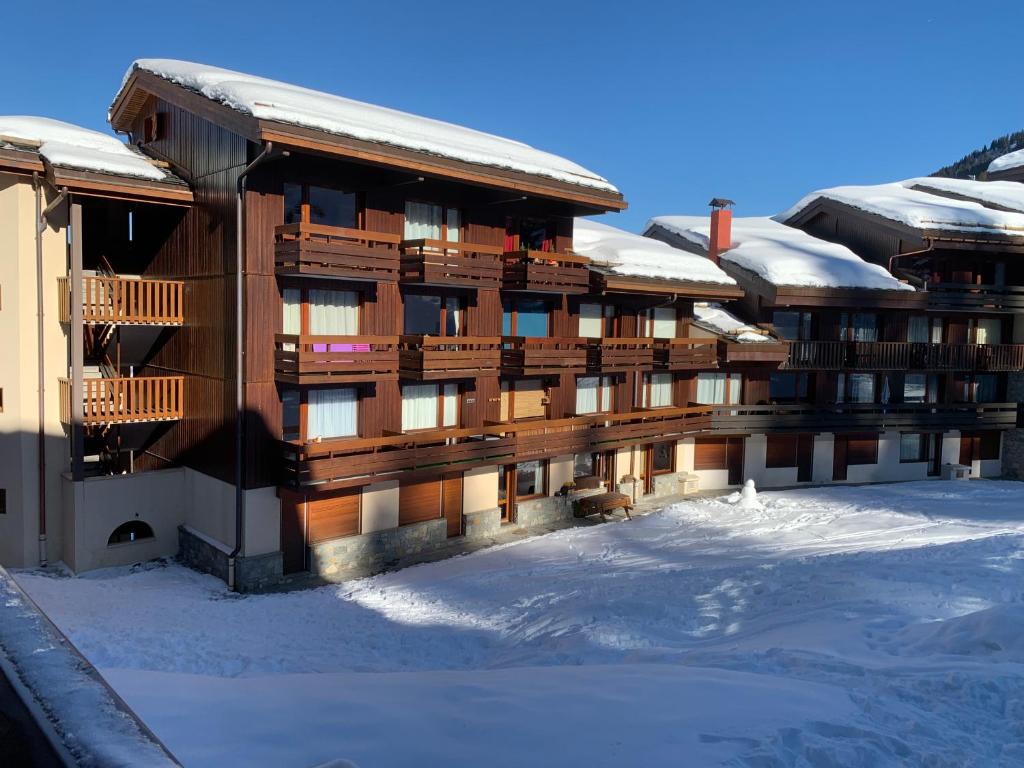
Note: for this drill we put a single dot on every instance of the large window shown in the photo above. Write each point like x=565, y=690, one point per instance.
x=330, y=313
x=595, y=321
x=427, y=221
x=914, y=447
x=661, y=322
x=988, y=331
x=531, y=479
x=784, y=387
x=427, y=406
x=656, y=390
x=792, y=326
x=860, y=326
x=432, y=315
x=593, y=394
x=320, y=205
x=985, y=389
x=663, y=458
x=855, y=388
x=525, y=317
x=585, y=465
x=719, y=388
x=291, y=424
x=332, y=413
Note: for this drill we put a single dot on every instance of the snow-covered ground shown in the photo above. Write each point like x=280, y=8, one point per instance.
x=868, y=626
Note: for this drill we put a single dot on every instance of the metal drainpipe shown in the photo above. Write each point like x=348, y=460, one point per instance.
x=41, y=370
x=240, y=360
x=896, y=257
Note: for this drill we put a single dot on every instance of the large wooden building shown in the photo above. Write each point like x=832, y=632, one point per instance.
x=310, y=334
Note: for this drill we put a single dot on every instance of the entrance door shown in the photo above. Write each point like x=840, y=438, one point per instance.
x=451, y=502
x=804, y=458
x=839, y=457
x=935, y=455
x=734, y=459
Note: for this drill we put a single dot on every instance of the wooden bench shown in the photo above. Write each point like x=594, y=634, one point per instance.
x=603, y=503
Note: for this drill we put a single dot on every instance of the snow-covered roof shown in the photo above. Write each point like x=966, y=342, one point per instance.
x=784, y=255
x=1002, y=194
x=281, y=102
x=632, y=255
x=899, y=202
x=712, y=316
x=71, y=146
x=1007, y=161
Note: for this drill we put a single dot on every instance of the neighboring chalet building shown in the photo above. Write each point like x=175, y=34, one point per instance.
x=1008, y=167
x=875, y=385
x=81, y=216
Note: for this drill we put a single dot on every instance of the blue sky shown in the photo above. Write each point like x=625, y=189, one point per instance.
x=674, y=102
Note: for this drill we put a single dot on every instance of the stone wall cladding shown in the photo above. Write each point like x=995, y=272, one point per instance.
x=375, y=550
x=1013, y=439
x=668, y=485
x=257, y=572
x=484, y=524
x=252, y=574
x=543, y=511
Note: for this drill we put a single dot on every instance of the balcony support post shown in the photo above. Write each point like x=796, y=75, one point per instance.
x=76, y=331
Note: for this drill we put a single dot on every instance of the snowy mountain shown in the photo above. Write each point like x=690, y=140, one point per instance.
x=976, y=162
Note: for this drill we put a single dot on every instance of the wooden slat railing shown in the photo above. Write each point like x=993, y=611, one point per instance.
x=864, y=416
x=124, y=301
x=902, y=355
x=439, y=262
x=545, y=271
x=542, y=354
x=126, y=401
x=612, y=354
x=334, y=359
x=316, y=249
x=438, y=357
x=684, y=353
x=960, y=296
x=1000, y=357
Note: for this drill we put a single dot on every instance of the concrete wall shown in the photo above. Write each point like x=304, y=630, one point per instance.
x=19, y=419
x=210, y=508
x=379, y=508
x=479, y=489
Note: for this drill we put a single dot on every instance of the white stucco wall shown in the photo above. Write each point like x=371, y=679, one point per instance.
x=559, y=473
x=379, y=507
x=210, y=508
x=479, y=489
x=824, y=453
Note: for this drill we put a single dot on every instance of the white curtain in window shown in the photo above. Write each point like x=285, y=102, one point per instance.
x=661, y=390
x=936, y=330
x=711, y=388
x=861, y=387
x=453, y=316
x=989, y=331
x=865, y=327
x=917, y=329
x=452, y=225
x=292, y=314
x=606, y=393
x=450, y=406
x=422, y=221
x=664, y=323
x=419, y=406
x=591, y=325
x=332, y=413
x=586, y=394
x=333, y=313
x=735, y=388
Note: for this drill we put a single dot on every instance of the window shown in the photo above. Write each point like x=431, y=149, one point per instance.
x=593, y=394
x=936, y=337
x=986, y=387
x=292, y=203
x=915, y=388
x=917, y=329
x=862, y=449
x=855, y=388
x=419, y=406
x=596, y=321
x=531, y=479
x=719, y=388
x=792, y=326
x=913, y=447
x=331, y=313
x=663, y=458
x=864, y=326
x=656, y=390
x=290, y=414
x=787, y=387
x=525, y=317
x=988, y=331
x=332, y=413
x=584, y=465
x=523, y=399
x=535, y=235
x=427, y=221
x=320, y=205
x=125, y=533
x=431, y=315
x=782, y=451
x=292, y=298
x=661, y=323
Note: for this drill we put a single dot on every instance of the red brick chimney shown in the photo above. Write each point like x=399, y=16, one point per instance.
x=721, y=228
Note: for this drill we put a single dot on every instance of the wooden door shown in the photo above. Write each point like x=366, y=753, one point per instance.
x=839, y=456
x=451, y=502
x=734, y=459
x=419, y=500
x=646, y=459
x=804, y=458
x=968, y=448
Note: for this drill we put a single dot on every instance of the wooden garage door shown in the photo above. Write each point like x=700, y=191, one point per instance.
x=419, y=500
x=333, y=517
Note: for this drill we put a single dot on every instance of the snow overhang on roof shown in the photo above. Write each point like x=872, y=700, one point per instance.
x=271, y=102
x=783, y=255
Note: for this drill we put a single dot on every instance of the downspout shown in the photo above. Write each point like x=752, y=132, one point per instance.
x=240, y=360
x=41, y=362
x=896, y=257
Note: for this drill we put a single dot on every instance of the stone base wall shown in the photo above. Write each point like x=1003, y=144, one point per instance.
x=484, y=524
x=669, y=485
x=1013, y=439
x=252, y=574
x=543, y=511
x=371, y=551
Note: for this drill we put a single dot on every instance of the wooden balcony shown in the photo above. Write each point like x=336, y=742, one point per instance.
x=125, y=401
x=971, y=297
x=335, y=359
x=685, y=354
x=902, y=356
x=353, y=254
x=753, y=352
x=325, y=466
x=436, y=262
x=546, y=272
x=863, y=417
x=124, y=301
x=427, y=358
x=522, y=355
x=615, y=355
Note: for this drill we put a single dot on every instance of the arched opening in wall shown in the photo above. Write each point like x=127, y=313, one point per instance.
x=135, y=530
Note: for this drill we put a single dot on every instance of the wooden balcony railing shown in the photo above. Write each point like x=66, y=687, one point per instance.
x=522, y=355
x=615, y=355
x=124, y=301
x=438, y=262
x=752, y=352
x=968, y=296
x=335, y=359
x=685, y=354
x=125, y=401
x=355, y=254
x=545, y=271
x=328, y=465
x=863, y=416
x=445, y=357
x=903, y=355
